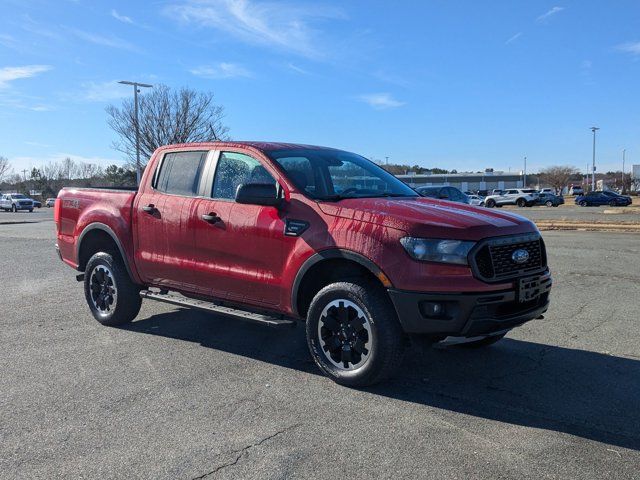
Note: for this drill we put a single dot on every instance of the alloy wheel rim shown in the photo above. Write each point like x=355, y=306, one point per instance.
x=345, y=334
x=104, y=294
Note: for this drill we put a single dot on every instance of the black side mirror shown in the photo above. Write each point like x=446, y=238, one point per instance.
x=258, y=194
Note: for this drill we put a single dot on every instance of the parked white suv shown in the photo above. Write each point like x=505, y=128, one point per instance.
x=15, y=201
x=522, y=197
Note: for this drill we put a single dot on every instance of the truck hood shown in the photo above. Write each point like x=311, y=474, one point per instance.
x=426, y=217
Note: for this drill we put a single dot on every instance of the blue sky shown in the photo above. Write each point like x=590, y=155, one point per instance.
x=453, y=84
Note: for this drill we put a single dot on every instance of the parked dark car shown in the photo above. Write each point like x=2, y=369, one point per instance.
x=621, y=198
x=550, y=200
x=444, y=193
x=601, y=198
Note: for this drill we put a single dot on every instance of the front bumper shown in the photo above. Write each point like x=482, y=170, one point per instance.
x=467, y=314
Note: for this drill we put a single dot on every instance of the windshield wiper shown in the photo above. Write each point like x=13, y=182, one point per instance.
x=334, y=198
x=337, y=197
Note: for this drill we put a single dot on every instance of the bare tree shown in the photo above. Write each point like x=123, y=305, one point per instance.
x=5, y=167
x=166, y=116
x=557, y=176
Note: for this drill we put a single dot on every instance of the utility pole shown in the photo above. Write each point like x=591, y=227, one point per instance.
x=24, y=174
x=593, y=171
x=524, y=177
x=387, y=160
x=624, y=190
x=135, y=101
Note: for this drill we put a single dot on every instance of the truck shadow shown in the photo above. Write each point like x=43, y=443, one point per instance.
x=587, y=394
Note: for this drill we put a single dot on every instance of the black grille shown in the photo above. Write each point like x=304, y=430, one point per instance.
x=493, y=260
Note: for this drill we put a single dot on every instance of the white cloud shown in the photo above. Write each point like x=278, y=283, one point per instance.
x=380, y=101
x=632, y=48
x=9, y=74
x=121, y=18
x=278, y=25
x=513, y=38
x=110, y=41
x=545, y=16
x=297, y=69
x=104, y=91
x=221, y=70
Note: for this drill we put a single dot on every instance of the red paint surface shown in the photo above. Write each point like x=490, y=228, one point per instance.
x=247, y=258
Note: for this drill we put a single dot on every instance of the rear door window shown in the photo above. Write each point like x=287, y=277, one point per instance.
x=180, y=173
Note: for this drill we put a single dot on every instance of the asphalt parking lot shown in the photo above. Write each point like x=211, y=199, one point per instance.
x=182, y=394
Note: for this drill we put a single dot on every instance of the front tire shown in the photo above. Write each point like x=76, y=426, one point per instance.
x=521, y=202
x=111, y=295
x=583, y=203
x=353, y=333
x=549, y=203
x=490, y=203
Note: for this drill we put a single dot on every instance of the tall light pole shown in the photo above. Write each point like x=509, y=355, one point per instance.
x=624, y=151
x=135, y=101
x=593, y=166
x=524, y=176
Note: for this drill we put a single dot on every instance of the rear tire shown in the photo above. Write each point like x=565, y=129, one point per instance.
x=549, y=203
x=484, y=342
x=353, y=333
x=612, y=203
x=111, y=295
x=583, y=203
x=31, y=210
x=521, y=202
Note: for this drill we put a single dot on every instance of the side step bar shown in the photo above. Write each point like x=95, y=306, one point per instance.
x=219, y=309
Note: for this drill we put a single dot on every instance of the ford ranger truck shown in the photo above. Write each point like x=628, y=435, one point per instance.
x=277, y=233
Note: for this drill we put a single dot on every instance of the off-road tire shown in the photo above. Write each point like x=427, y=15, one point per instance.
x=387, y=340
x=128, y=301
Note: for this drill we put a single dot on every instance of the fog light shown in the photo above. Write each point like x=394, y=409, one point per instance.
x=433, y=309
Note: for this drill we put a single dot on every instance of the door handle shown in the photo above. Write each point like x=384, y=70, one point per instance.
x=151, y=208
x=211, y=217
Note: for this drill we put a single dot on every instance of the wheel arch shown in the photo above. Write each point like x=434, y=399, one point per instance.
x=103, y=235
x=326, y=267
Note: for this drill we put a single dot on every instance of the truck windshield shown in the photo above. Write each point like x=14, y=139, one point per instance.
x=325, y=174
x=19, y=195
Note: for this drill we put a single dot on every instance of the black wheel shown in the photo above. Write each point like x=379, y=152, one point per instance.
x=353, y=333
x=490, y=203
x=484, y=342
x=583, y=203
x=612, y=203
x=112, y=297
x=14, y=209
x=521, y=202
x=31, y=210
x=549, y=203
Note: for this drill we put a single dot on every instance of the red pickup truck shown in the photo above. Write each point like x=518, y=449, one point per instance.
x=278, y=233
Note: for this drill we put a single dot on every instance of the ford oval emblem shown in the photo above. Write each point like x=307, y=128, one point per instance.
x=520, y=256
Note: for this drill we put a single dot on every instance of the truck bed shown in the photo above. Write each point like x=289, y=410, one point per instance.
x=76, y=208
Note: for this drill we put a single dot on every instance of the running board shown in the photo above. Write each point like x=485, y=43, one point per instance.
x=219, y=309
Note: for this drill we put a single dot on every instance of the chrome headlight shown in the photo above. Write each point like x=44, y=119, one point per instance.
x=434, y=250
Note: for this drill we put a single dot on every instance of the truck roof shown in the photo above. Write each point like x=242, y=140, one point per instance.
x=259, y=145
